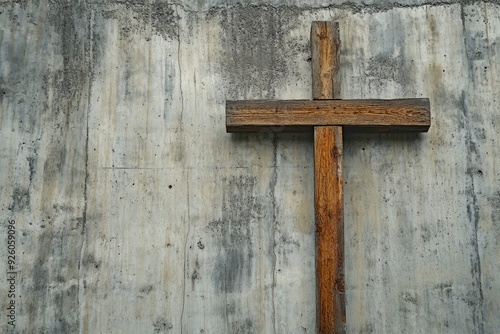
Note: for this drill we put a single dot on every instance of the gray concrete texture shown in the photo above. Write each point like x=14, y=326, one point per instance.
x=136, y=213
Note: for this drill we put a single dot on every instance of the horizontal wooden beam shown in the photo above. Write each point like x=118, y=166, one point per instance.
x=402, y=115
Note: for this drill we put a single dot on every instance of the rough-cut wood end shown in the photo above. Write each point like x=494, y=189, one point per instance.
x=401, y=115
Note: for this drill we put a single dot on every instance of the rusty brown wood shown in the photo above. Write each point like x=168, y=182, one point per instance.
x=328, y=185
x=325, y=43
x=401, y=115
x=329, y=211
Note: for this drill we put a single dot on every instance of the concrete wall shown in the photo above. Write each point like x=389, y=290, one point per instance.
x=136, y=213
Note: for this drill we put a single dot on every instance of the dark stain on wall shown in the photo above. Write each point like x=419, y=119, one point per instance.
x=254, y=51
x=40, y=275
x=71, y=21
x=494, y=201
x=160, y=16
x=162, y=325
x=445, y=289
x=143, y=18
x=195, y=276
x=20, y=200
x=53, y=167
x=32, y=161
x=473, y=157
x=146, y=290
x=391, y=64
x=385, y=68
x=241, y=209
x=243, y=327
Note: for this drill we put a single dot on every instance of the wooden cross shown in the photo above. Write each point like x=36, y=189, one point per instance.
x=328, y=118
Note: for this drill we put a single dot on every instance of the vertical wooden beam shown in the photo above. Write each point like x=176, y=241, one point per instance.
x=328, y=186
x=329, y=207
x=325, y=45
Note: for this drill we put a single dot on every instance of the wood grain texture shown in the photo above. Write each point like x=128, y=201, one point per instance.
x=400, y=115
x=328, y=186
x=325, y=43
x=329, y=210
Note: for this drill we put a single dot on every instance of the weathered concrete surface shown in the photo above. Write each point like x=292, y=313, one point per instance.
x=137, y=213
